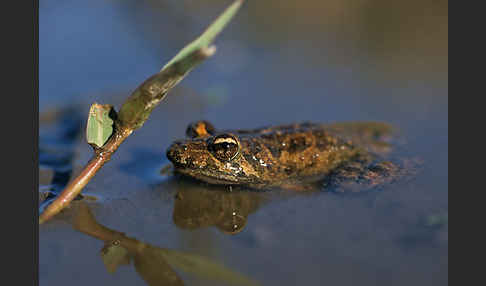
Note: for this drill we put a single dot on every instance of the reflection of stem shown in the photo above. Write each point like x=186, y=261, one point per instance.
x=87, y=224
x=155, y=265
x=151, y=266
x=75, y=187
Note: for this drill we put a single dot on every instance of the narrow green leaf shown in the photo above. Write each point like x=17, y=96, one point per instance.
x=209, y=34
x=137, y=108
x=100, y=124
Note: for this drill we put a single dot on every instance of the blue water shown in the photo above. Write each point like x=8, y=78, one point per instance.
x=283, y=69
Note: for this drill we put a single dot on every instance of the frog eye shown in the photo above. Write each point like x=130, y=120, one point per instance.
x=224, y=147
x=199, y=129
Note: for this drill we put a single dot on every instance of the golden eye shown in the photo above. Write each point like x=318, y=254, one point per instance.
x=199, y=129
x=224, y=147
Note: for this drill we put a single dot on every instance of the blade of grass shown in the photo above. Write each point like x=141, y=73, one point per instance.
x=207, y=37
x=137, y=108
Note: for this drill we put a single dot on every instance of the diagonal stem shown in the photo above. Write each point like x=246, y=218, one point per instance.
x=75, y=187
x=139, y=105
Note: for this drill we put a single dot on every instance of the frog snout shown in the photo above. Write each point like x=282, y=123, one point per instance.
x=175, y=152
x=178, y=154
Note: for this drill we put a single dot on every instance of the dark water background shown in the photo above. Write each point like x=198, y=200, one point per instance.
x=277, y=62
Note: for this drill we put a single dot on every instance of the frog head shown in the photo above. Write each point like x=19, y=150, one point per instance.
x=211, y=156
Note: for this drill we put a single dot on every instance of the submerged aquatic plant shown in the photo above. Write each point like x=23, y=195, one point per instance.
x=107, y=129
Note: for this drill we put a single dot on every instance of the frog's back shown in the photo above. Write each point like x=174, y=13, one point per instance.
x=297, y=151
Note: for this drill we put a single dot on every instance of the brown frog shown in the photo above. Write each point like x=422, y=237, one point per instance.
x=288, y=156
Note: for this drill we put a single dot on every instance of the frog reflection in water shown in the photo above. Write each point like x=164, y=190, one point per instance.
x=197, y=206
x=289, y=157
x=155, y=265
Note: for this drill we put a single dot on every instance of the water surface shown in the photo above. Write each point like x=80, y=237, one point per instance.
x=278, y=62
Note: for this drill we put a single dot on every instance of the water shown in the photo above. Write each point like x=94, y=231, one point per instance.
x=276, y=63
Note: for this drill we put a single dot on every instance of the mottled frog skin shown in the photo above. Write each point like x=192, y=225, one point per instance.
x=287, y=156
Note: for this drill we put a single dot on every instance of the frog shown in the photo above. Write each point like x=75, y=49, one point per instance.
x=298, y=156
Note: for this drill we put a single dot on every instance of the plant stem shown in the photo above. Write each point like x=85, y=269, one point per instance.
x=75, y=187
x=133, y=114
x=139, y=105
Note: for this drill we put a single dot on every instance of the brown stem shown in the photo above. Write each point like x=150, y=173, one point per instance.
x=73, y=189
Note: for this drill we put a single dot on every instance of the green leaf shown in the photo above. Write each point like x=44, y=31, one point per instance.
x=208, y=36
x=100, y=124
x=137, y=108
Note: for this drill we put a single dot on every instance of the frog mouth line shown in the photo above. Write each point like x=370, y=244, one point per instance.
x=206, y=178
